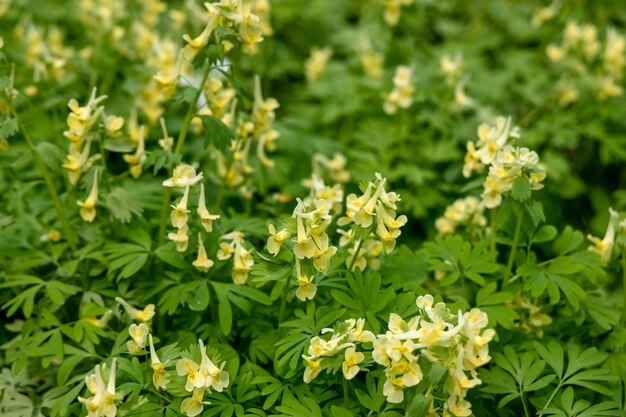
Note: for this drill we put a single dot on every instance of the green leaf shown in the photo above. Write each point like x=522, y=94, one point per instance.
x=419, y=406
x=200, y=299
x=521, y=189
x=216, y=133
x=168, y=254
x=123, y=205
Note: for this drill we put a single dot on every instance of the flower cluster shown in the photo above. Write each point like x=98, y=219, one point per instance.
x=311, y=244
x=184, y=176
x=231, y=14
x=104, y=396
x=375, y=203
x=201, y=378
x=402, y=94
x=343, y=337
x=391, y=14
x=468, y=211
x=581, y=53
x=457, y=342
x=490, y=140
x=257, y=126
x=510, y=164
x=80, y=122
x=232, y=245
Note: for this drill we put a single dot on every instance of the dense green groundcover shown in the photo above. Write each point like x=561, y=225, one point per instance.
x=312, y=208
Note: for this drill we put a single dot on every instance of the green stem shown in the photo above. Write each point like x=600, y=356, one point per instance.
x=492, y=237
x=509, y=264
x=558, y=387
x=283, y=305
x=346, y=396
x=220, y=193
x=526, y=412
x=69, y=234
x=180, y=142
x=356, y=255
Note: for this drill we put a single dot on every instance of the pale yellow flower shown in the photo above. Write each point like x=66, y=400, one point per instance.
x=144, y=315
x=88, y=207
x=202, y=262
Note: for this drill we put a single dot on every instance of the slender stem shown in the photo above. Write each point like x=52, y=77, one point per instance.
x=220, y=193
x=509, y=265
x=526, y=412
x=552, y=396
x=180, y=142
x=492, y=237
x=69, y=234
x=346, y=396
x=356, y=254
x=283, y=304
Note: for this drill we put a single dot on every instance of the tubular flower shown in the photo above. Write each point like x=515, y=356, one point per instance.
x=184, y=176
x=276, y=239
x=205, y=217
x=139, y=333
x=351, y=363
x=179, y=214
x=102, y=321
x=104, y=396
x=137, y=160
x=180, y=238
x=160, y=377
x=202, y=262
x=194, y=405
x=144, y=315
x=604, y=247
x=242, y=258
x=204, y=375
x=88, y=207
x=391, y=14
x=306, y=288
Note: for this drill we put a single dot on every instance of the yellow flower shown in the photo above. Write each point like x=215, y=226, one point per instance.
x=205, y=217
x=604, y=247
x=160, y=377
x=314, y=66
x=113, y=125
x=194, y=405
x=184, y=175
x=351, y=362
x=139, y=157
x=88, y=207
x=179, y=214
x=144, y=315
x=102, y=403
x=102, y=321
x=276, y=239
x=202, y=262
x=194, y=46
x=180, y=238
x=312, y=370
x=139, y=333
x=306, y=289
